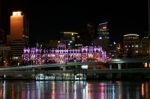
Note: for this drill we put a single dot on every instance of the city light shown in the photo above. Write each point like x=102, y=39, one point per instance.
x=88, y=53
x=84, y=66
x=16, y=13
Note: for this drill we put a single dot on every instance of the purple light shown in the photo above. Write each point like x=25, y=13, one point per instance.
x=39, y=56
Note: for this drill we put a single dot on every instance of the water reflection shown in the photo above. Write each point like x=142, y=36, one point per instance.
x=145, y=90
x=74, y=90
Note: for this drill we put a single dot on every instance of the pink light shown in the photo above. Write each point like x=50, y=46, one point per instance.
x=61, y=56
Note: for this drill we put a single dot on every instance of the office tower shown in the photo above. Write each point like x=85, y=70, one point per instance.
x=17, y=38
x=131, y=45
x=145, y=50
x=16, y=26
x=103, y=36
x=103, y=30
x=91, y=32
x=69, y=38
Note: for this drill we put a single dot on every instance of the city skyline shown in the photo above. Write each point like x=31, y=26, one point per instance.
x=52, y=18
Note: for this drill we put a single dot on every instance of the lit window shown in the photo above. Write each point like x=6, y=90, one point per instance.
x=137, y=46
x=100, y=38
x=18, y=13
x=136, y=51
x=114, y=43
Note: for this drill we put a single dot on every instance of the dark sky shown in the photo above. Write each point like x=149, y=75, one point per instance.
x=48, y=18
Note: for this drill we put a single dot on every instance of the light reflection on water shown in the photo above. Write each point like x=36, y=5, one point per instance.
x=74, y=90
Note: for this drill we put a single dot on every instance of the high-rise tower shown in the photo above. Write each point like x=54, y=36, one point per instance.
x=103, y=30
x=91, y=31
x=17, y=38
x=16, y=25
x=103, y=36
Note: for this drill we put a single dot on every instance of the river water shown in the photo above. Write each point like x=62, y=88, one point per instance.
x=74, y=89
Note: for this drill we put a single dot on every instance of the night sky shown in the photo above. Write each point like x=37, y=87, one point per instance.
x=48, y=19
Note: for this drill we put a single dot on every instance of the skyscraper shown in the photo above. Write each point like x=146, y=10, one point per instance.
x=103, y=30
x=17, y=38
x=131, y=43
x=89, y=34
x=19, y=26
x=103, y=36
x=91, y=31
x=16, y=26
x=69, y=38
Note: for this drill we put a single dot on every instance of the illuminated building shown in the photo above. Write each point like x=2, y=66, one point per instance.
x=16, y=25
x=103, y=30
x=52, y=43
x=145, y=46
x=103, y=36
x=70, y=35
x=69, y=38
x=17, y=39
x=4, y=50
x=4, y=55
x=131, y=45
x=115, y=50
x=83, y=54
x=19, y=27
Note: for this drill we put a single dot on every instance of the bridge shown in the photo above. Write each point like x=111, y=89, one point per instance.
x=70, y=64
x=62, y=68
